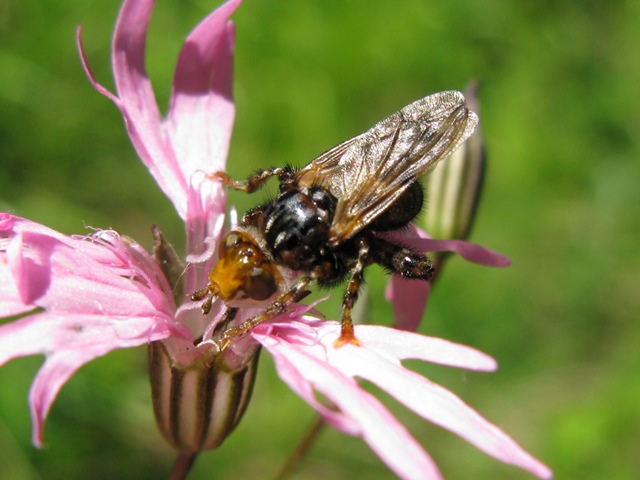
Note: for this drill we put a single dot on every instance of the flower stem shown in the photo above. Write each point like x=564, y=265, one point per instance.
x=183, y=465
x=301, y=449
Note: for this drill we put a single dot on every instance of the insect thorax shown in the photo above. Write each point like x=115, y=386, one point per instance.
x=296, y=227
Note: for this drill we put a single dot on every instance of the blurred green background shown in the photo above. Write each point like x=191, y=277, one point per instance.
x=560, y=110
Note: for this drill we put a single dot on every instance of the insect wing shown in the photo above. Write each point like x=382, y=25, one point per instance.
x=327, y=170
x=367, y=173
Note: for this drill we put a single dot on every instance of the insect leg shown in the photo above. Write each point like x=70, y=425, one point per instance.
x=252, y=183
x=254, y=216
x=400, y=260
x=351, y=295
x=207, y=295
x=295, y=294
x=228, y=316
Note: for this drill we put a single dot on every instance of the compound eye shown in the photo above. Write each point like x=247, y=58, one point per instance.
x=230, y=240
x=260, y=284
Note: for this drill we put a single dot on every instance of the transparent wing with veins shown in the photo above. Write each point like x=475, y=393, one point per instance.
x=367, y=173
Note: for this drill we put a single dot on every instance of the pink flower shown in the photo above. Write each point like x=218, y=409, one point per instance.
x=193, y=139
x=77, y=298
x=306, y=360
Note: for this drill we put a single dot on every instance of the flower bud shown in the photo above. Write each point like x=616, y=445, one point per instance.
x=454, y=185
x=198, y=404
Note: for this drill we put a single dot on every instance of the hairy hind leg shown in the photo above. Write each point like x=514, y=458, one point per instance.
x=356, y=279
x=401, y=260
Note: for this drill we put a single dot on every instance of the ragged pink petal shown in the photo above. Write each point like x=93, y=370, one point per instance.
x=87, y=296
x=199, y=123
x=409, y=346
x=409, y=297
x=354, y=411
x=201, y=113
x=419, y=240
x=138, y=104
x=10, y=302
x=308, y=361
x=441, y=407
x=57, y=369
x=409, y=301
x=467, y=250
x=194, y=138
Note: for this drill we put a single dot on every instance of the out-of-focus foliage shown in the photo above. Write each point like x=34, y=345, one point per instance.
x=559, y=111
